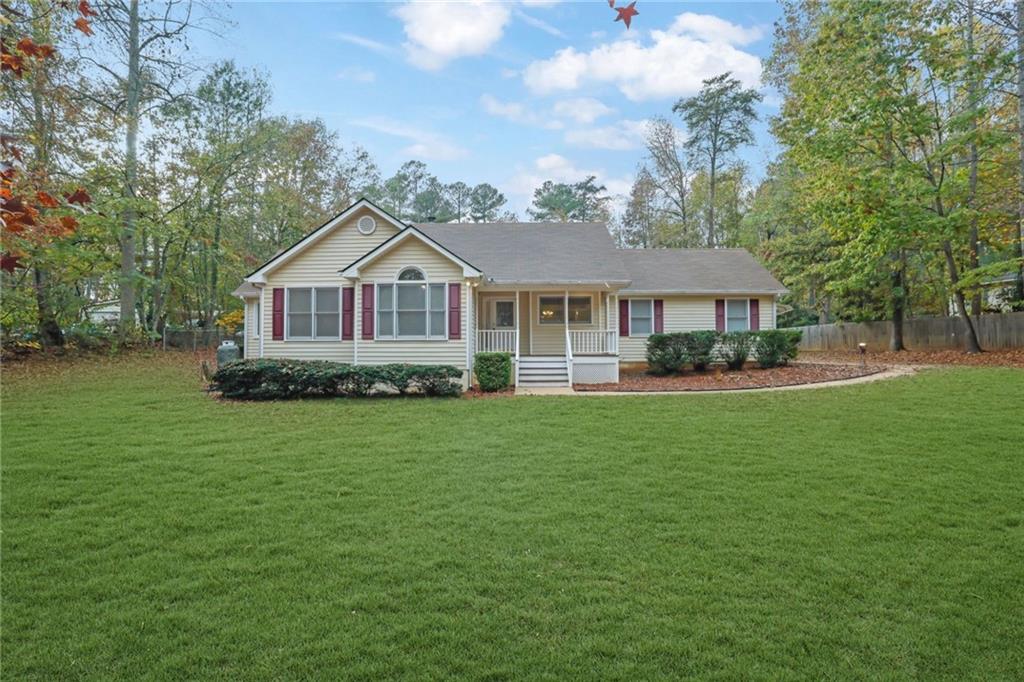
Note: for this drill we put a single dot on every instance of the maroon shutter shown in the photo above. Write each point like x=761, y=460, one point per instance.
x=755, y=314
x=348, y=301
x=454, y=310
x=659, y=316
x=720, y=314
x=623, y=317
x=367, y=319
x=277, y=316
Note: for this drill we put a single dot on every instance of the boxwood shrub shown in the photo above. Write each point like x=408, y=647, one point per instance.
x=736, y=347
x=666, y=353
x=776, y=347
x=287, y=379
x=493, y=371
x=700, y=347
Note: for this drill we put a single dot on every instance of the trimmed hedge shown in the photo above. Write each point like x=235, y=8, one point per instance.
x=666, y=353
x=776, y=347
x=493, y=371
x=670, y=353
x=287, y=379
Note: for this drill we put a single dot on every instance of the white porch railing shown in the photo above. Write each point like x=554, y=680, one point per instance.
x=605, y=342
x=497, y=340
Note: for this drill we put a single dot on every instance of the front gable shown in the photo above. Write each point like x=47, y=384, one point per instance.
x=409, y=247
x=318, y=256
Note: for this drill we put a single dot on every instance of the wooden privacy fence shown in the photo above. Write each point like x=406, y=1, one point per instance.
x=1002, y=330
x=194, y=339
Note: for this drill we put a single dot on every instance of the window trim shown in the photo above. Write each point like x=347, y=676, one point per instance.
x=257, y=318
x=425, y=282
x=565, y=310
x=312, y=312
x=746, y=310
x=640, y=335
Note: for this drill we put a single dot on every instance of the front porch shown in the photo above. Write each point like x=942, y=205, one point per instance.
x=556, y=338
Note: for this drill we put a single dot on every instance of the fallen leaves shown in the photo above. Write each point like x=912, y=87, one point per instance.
x=718, y=379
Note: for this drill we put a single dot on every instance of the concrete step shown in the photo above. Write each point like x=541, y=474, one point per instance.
x=543, y=384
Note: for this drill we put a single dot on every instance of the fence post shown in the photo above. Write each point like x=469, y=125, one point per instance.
x=164, y=335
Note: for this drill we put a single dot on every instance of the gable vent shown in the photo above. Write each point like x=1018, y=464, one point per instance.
x=366, y=225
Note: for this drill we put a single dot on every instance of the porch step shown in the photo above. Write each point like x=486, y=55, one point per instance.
x=543, y=371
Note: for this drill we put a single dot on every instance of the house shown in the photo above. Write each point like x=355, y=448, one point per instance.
x=367, y=288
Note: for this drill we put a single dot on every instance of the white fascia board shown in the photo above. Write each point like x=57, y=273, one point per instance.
x=352, y=271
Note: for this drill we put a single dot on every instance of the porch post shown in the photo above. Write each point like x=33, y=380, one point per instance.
x=565, y=317
x=516, y=309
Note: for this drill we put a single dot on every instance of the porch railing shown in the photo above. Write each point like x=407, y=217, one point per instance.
x=497, y=340
x=588, y=342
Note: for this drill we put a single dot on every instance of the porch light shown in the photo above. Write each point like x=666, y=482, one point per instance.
x=863, y=353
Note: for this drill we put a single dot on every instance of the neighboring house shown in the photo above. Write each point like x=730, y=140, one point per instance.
x=104, y=312
x=366, y=288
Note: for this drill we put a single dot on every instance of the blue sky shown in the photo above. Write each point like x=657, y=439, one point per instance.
x=499, y=92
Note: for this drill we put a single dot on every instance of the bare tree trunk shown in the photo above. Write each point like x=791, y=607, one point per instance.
x=971, y=344
x=972, y=194
x=133, y=88
x=898, y=308
x=1019, y=294
x=711, y=204
x=50, y=333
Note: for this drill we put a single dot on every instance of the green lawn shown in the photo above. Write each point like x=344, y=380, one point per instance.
x=872, y=531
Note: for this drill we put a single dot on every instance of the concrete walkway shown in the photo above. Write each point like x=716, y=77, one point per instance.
x=889, y=373
x=546, y=390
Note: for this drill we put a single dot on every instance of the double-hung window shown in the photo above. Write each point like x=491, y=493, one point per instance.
x=313, y=313
x=737, y=315
x=641, y=316
x=411, y=308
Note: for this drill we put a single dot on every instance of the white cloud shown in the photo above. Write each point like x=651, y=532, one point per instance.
x=357, y=74
x=710, y=28
x=670, y=65
x=622, y=136
x=363, y=42
x=539, y=24
x=517, y=112
x=541, y=3
x=424, y=143
x=557, y=168
x=582, y=109
x=438, y=32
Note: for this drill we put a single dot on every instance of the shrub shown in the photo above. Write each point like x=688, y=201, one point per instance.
x=666, y=353
x=736, y=348
x=700, y=347
x=286, y=379
x=437, y=380
x=397, y=376
x=493, y=371
x=775, y=347
x=87, y=335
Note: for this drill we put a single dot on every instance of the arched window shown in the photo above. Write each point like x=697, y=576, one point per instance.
x=412, y=274
x=412, y=308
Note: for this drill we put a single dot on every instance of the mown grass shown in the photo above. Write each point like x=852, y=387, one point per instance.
x=872, y=531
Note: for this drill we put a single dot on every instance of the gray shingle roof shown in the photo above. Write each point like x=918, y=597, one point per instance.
x=584, y=252
x=534, y=252
x=697, y=271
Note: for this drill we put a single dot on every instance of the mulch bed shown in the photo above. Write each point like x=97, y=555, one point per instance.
x=721, y=379
x=994, y=358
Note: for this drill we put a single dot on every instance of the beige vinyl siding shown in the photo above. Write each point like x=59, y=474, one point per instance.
x=438, y=269
x=252, y=340
x=684, y=314
x=318, y=265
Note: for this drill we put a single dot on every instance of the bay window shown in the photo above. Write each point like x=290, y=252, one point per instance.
x=313, y=313
x=411, y=308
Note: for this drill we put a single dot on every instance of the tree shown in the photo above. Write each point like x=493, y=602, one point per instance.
x=640, y=219
x=562, y=203
x=718, y=120
x=485, y=202
x=459, y=195
x=432, y=204
x=670, y=172
x=140, y=61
